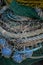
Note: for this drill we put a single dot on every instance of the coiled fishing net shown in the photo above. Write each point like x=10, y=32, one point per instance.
x=21, y=34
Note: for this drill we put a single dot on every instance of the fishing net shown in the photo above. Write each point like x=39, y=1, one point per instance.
x=21, y=27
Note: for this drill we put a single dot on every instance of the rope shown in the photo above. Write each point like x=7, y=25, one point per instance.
x=31, y=3
x=37, y=57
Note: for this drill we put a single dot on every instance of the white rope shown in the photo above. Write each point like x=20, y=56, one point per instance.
x=36, y=57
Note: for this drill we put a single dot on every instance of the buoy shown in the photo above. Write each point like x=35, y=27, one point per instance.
x=2, y=42
x=6, y=52
x=17, y=57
